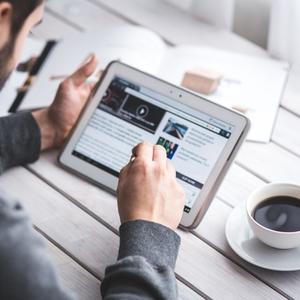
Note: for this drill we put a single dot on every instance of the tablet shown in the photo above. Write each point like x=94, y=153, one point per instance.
x=129, y=106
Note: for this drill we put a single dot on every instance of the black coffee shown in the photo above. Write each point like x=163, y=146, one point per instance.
x=280, y=213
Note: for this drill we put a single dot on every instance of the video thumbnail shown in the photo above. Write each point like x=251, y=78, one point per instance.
x=175, y=129
x=142, y=113
x=119, y=101
x=170, y=147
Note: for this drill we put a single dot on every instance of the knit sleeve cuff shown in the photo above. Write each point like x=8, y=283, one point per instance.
x=157, y=243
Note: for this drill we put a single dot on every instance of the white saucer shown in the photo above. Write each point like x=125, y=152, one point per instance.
x=248, y=247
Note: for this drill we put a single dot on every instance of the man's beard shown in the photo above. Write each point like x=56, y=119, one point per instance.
x=5, y=58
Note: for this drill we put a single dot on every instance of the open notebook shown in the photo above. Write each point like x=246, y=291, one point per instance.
x=254, y=83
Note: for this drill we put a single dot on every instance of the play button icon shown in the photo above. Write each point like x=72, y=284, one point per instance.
x=142, y=111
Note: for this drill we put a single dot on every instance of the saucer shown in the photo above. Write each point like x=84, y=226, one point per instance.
x=243, y=242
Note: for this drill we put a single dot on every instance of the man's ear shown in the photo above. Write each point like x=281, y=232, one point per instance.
x=5, y=10
x=5, y=22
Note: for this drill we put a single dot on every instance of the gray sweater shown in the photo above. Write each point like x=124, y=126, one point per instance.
x=147, y=251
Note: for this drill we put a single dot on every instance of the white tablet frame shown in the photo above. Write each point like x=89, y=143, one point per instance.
x=105, y=180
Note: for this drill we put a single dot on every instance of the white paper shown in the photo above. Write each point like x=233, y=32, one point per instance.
x=254, y=83
x=32, y=47
x=133, y=45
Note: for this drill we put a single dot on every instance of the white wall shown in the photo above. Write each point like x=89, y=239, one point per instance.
x=252, y=19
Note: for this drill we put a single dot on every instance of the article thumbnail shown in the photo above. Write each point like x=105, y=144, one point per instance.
x=175, y=129
x=170, y=147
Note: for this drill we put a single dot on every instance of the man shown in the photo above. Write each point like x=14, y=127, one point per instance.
x=150, y=201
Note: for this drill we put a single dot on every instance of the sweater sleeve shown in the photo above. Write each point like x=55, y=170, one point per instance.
x=26, y=271
x=145, y=266
x=20, y=140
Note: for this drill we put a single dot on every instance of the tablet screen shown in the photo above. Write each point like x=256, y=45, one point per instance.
x=129, y=113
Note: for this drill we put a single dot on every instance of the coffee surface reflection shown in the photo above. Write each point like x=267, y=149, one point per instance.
x=280, y=213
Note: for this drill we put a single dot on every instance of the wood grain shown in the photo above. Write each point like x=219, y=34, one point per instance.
x=52, y=28
x=287, y=131
x=236, y=188
x=238, y=185
x=164, y=19
x=84, y=14
x=270, y=162
x=73, y=277
x=80, y=235
x=291, y=96
x=194, y=254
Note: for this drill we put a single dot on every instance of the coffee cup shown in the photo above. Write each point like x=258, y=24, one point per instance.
x=274, y=215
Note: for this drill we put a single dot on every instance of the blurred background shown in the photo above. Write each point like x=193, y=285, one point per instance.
x=271, y=24
x=142, y=32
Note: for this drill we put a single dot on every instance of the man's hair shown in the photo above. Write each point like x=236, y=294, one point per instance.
x=21, y=11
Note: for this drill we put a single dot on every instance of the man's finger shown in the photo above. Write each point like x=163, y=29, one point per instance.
x=124, y=171
x=171, y=169
x=91, y=85
x=143, y=151
x=86, y=70
x=160, y=154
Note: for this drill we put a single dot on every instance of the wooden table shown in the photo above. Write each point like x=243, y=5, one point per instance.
x=80, y=221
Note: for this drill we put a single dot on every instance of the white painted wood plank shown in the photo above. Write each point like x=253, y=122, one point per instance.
x=238, y=185
x=291, y=97
x=287, y=131
x=195, y=256
x=216, y=219
x=52, y=28
x=177, y=26
x=73, y=277
x=185, y=293
x=68, y=225
x=84, y=285
x=90, y=242
x=270, y=162
x=84, y=14
x=156, y=15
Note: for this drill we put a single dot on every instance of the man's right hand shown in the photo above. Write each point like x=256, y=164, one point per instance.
x=148, y=189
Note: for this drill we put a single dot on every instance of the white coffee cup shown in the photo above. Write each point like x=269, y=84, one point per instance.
x=276, y=239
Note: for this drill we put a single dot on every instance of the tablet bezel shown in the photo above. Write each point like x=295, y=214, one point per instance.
x=174, y=93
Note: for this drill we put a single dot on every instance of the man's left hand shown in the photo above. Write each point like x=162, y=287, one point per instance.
x=57, y=121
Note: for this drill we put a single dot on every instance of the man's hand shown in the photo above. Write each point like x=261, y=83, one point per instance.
x=148, y=189
x=56, y=121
